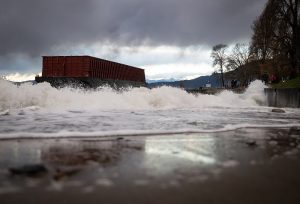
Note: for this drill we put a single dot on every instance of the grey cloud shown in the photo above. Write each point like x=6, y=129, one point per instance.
x=34, y=27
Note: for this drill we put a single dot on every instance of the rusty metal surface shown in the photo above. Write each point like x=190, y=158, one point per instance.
x=86, y=66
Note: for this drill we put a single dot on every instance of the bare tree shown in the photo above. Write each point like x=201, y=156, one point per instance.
x=240, y=56
x=219, y=56
x=277, y=34
x=289, y=16
x=263, y=28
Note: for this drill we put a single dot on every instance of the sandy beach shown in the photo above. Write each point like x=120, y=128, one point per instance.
x=241, y=166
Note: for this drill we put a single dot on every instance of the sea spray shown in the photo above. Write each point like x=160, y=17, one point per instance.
x=41, y=111
x=105, y=98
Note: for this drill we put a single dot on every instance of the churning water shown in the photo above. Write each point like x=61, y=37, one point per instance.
x=36, y=111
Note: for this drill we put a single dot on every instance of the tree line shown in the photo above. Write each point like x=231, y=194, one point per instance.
x=275, y=43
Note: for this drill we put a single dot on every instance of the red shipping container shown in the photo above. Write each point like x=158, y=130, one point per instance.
x=87, y=66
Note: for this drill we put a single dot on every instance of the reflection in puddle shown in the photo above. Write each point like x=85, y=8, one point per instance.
x=166, y=155
x=164, y=161
x=191, y=150
x=14, y=153
x=192, y=156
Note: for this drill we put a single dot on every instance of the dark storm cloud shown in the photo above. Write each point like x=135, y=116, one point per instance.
x=34, y=27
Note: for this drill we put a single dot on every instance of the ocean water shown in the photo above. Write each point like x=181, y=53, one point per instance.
x=41, y=111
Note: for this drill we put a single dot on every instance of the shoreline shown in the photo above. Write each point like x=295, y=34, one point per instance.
x=99, y=135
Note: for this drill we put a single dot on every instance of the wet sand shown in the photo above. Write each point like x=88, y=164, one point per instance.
x=241, y=166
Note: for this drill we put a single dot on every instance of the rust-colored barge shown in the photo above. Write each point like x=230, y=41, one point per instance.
x=87, y=71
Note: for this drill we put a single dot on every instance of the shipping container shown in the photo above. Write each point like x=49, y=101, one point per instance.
x=89, y=72
x=87, y=66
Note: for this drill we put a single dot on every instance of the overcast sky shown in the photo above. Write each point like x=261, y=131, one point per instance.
x=169, y=38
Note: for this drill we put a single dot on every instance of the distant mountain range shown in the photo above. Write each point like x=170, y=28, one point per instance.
x=161, y=80
x=196, y=83
x=24, y=82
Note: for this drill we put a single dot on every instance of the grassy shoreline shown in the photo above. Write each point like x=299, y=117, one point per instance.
x=293, y=83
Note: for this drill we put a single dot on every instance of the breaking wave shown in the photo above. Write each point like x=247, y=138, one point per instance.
x=41, y=111
x=44, y=96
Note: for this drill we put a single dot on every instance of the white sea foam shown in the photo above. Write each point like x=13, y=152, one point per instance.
x=80, y=134
x=45, y=96
x=40, y=111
